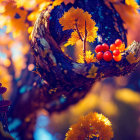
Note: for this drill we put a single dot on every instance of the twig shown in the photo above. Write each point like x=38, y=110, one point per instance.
x=84, y=44
x=78, y=31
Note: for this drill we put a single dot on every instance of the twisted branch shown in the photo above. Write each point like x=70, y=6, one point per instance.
x=65, y=77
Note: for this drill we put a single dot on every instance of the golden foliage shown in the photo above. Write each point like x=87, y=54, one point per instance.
x=14, y=14
x=14, y=18
x=133, y=4
x=19, y=15
x=78, y=20
x=73, y=39
x=5, y=79
x=35, y=13
x=90, y=126
x=89, y=58
x=27, y=4
x=30, y=4
x=131, y=58
x=92, y=72
x=5, y=40
x=58, y=2
x=14, y=51
x=127, y=11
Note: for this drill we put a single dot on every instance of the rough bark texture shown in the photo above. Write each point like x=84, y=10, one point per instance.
x=65, y=79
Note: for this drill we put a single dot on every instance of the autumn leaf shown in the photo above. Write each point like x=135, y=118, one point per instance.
x=14, y=18
x=132, y=59
x=89, y=57
x=75, y=19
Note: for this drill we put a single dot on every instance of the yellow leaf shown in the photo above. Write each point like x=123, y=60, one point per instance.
x=132, y=59
x=78, y=20
x=89, y=58
x=92, y=72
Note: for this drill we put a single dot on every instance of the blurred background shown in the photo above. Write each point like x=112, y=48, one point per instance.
x=118, y=98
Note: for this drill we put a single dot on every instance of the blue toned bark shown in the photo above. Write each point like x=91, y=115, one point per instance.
x=66, y=78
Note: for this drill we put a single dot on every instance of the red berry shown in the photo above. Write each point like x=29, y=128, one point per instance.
x=98, y=48
x=105, y=47
x=118, y=42
x=117, y=58
x=99, y=55
x=107, y=56
x=112, y=47
x=116, y=52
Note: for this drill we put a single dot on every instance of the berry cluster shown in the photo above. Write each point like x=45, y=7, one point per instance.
x=104, y=51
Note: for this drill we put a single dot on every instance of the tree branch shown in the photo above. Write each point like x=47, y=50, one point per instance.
x=78, y=32
x=84, y=44
x=66, y=77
